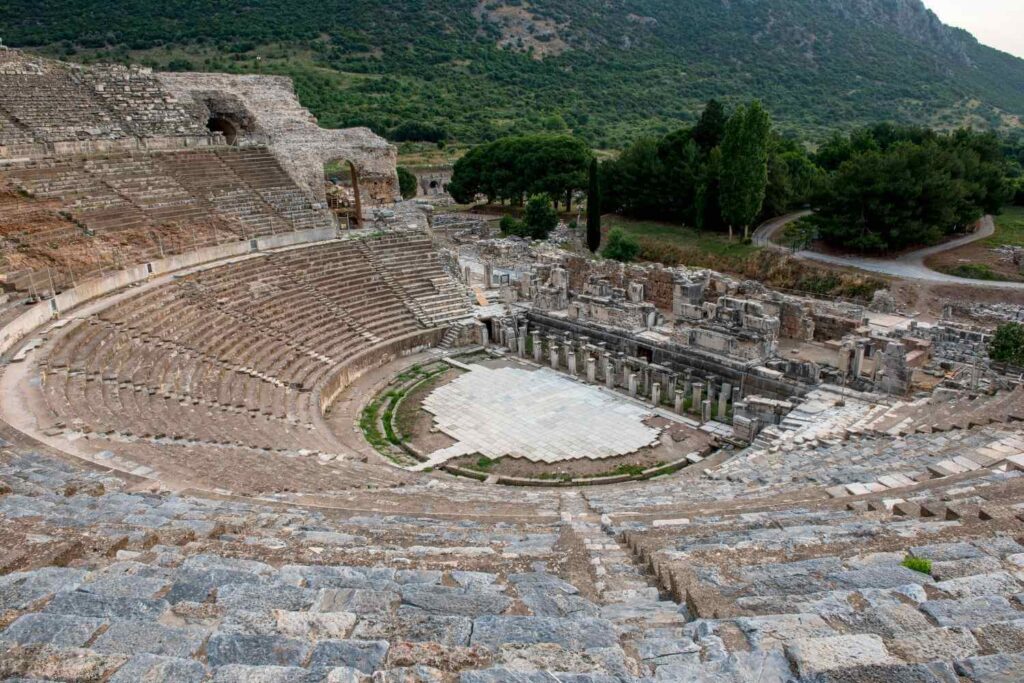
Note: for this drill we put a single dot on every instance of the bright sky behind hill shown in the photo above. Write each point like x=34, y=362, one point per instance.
x=999, y=23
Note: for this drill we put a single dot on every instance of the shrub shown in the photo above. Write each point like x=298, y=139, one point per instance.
x=918, y=564
x=621, y=246
x=540, y=217
x=1008, y=344
x=511, y=225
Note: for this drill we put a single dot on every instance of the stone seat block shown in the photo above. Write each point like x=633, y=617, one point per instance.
x=128, y=637
x=147, y=667
x=453, y=601
x=997, y=668
x=259, y=597
x=971, y=612
x=571, y=634
x=817, y=657
x=363, y=655
x=85, y=604
x=228, y=648
x=57, y=630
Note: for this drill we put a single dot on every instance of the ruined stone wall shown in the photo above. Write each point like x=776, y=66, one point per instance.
x=293, y=134
x=828, y=327
x=657, y=280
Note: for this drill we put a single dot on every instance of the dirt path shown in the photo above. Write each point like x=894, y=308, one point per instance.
x=909, y=266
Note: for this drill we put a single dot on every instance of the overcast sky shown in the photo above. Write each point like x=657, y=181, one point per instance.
x=999, y=23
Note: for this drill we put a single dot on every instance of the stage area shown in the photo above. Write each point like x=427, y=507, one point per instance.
x=538, y=415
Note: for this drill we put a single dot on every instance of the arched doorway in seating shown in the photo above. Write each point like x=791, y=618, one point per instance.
x=225, y=126
x=341, y=184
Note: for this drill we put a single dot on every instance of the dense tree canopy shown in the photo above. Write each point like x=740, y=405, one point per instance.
x=679, y=177
x=894, y=188
x=513, y=168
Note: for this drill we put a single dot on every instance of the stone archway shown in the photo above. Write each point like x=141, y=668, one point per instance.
x=225, y=126
x=341, y=187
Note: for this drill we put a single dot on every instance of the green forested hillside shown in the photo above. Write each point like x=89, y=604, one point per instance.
x=608, y=70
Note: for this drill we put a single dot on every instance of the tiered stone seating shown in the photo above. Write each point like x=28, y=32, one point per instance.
x=166, y=587
x=947, y=411
x=54, y=106
x=135, y=98
x=826, y=591
x=218, y=369
x=262, y=173
x=412, y=267
x=121, y=209
x=53, y=102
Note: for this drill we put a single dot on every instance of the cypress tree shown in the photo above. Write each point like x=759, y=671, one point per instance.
x=594, y=209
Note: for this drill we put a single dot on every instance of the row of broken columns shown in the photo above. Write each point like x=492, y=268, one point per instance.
x=641, y=378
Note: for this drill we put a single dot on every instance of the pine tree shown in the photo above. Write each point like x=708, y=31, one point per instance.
x=594, y=209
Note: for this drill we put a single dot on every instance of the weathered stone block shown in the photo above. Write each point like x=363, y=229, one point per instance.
x=365, y=655
x=227, y=648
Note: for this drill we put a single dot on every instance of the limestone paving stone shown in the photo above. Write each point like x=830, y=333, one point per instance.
x=541, y=416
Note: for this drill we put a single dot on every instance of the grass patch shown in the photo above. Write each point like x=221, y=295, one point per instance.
x=656, y=237
x=483, y=464
x=388, y=403
x=973, y=271
x=368, y=423
x=1009, y=228
x=918, y=564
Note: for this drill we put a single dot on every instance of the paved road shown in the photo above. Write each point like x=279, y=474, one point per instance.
x=909, y=266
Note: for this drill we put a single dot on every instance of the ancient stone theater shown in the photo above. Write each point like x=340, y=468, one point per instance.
x=262, y=420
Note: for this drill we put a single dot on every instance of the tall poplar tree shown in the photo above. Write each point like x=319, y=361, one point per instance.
x=744, y=169
x=594, y=209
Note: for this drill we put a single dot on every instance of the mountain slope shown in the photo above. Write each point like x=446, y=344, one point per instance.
x=608, y=69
